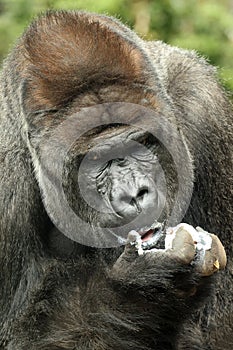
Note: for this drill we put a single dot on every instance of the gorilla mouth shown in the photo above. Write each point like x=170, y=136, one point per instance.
x=151, y=236
x=147, y=236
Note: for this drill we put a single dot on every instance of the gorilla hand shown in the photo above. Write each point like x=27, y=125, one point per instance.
x=187, y=253
x=209, y=255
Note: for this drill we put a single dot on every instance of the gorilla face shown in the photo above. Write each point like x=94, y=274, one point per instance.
x=110, y=169
x=127, y=184
x=123, y=180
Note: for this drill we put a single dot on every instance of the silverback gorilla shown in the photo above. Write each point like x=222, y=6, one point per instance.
x=107, y=143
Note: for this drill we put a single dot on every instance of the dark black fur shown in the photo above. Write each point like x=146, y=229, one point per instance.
x=56, y=297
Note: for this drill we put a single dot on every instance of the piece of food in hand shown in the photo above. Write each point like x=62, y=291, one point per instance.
x=210, y=253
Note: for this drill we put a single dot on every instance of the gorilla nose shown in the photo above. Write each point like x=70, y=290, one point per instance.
x=136, y=201
x=129, y=202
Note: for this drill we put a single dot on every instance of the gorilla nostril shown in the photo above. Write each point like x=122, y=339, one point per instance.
x=133, y=199
x=142, y=193
x=129, y=202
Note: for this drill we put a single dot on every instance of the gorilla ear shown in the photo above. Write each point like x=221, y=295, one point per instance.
x=68, y=53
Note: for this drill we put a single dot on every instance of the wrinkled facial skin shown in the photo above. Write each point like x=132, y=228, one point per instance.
x=128, y=185
x=131, y=189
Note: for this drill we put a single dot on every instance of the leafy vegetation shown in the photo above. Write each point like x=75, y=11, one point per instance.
x=203, y=25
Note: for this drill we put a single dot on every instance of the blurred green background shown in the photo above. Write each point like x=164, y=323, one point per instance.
x=203, y=25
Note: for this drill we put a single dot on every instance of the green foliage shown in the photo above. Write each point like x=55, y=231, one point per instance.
x=202, y=25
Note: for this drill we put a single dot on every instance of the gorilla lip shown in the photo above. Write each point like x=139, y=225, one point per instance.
x=150, y=236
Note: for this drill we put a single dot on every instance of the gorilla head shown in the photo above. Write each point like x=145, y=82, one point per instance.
x=108, y=119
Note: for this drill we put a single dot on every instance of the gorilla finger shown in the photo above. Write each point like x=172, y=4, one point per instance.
x=133, y=246
x=182, y=246
x=212, y=260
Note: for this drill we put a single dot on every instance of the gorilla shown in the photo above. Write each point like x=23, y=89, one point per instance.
x=114, y=152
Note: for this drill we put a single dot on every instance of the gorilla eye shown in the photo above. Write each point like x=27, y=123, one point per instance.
x=119, y=161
